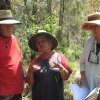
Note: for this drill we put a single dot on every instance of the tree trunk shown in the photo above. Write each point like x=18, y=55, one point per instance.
x=5, y=4
x=61, y=17
x=25, y=1
x=49, y=8
x=34, y=11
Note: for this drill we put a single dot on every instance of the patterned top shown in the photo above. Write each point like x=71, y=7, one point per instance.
x=48, y=83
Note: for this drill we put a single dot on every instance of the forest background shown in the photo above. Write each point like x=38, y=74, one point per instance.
x=62, y=18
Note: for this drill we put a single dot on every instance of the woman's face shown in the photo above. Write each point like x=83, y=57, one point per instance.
x=43, y=44
x=96, y=32
x=6, y=29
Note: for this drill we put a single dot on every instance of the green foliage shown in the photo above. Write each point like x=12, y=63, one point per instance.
x=72, y=37
x=72, y=53
x=25, y=32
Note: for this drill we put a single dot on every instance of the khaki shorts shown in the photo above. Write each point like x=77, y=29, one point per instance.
x=11, y=97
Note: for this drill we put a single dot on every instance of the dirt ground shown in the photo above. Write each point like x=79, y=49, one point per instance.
x=66, y=97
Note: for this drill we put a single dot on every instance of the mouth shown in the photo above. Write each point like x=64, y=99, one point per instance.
x=42, y=46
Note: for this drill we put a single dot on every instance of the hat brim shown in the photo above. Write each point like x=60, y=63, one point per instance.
x=32, y=40
x=10, y=21
x=87, y=25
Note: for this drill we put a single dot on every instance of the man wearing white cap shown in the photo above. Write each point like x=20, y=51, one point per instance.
x=90, y=61
x=11, y=75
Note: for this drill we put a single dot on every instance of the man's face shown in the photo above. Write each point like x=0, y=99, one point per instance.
x=96, y=32
x=7, y=29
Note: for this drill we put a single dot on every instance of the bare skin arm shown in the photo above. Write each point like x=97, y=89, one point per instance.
x=30, y=74
x=63, y=72
x=81, y=80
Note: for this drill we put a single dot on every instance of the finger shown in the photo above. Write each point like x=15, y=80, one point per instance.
x=55, y=63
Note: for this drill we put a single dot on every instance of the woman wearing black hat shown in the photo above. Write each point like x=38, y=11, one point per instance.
x=48, y=70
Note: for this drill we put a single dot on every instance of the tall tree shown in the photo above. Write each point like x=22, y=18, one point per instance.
x=34, y=11
x=49, y=8
x=5, y=4
x=25, y=1
x=61, y=17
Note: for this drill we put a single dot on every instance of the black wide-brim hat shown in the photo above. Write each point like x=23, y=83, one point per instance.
x=46, y=34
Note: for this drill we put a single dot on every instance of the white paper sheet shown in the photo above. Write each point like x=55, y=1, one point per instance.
x=79, y=93
x=93, y=94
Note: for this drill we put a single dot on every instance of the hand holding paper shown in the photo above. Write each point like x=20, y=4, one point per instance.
x=79, y=93
x=83, y=93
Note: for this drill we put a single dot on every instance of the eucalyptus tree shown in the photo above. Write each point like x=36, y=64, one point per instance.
x=5, y=4
x=49, y=7
x=61, y=19
x=34, y=10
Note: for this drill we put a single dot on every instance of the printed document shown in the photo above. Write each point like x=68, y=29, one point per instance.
x=83, y=93
x=79, y=93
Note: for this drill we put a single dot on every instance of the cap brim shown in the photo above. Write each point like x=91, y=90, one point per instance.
x=32, y=41
x=87, y=25
x=10, y=22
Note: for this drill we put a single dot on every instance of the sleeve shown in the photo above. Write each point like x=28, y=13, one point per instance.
x=18, y=44
x=82, y=61
x=84, y=53
x=65, y=63
x=86, y=50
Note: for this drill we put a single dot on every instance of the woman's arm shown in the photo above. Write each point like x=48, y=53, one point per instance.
x=30, y=76
x=64, y=67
